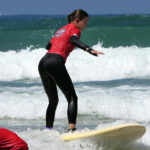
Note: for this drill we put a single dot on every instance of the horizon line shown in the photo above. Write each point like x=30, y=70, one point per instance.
x=67, y=14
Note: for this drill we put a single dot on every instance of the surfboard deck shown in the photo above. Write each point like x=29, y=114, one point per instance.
x=124, y=132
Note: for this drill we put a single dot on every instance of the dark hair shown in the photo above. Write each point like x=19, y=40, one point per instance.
x=78, y=13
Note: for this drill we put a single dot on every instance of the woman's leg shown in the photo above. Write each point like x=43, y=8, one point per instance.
x=55, y=68
x=64, y=82
x=51, y=91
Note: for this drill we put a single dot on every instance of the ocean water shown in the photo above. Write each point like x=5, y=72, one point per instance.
x=112, y=89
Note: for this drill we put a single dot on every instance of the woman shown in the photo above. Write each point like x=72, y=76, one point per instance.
x=52, y=68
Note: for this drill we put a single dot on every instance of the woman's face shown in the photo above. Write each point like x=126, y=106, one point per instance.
x=81, y=24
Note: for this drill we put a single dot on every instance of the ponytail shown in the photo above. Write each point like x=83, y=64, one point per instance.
x=78, y=13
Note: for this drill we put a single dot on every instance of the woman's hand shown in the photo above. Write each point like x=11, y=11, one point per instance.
x=96, y=52
x=93, y=52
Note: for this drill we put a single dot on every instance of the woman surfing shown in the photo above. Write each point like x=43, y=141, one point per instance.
x=53, y=71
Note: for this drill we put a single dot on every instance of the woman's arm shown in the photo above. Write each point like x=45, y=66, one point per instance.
x=48, y=46
x=76, y=42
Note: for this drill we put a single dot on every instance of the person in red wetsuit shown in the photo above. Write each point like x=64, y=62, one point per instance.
x=11, y=141
x=52, y=67
x=61, y=43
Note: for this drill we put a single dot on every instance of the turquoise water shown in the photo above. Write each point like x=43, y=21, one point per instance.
x=124, y=30
x=112, y=89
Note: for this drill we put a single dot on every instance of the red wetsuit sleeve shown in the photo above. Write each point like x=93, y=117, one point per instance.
x=75, y=32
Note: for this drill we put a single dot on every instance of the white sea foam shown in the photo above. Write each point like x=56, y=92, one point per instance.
x=36, y=139
x=121, y=102
x=117, y=63
x=27, y=99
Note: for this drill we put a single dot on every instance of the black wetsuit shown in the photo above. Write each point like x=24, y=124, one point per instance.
x=53, y=71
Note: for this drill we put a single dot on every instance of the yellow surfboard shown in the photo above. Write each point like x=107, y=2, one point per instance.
x=124, y=132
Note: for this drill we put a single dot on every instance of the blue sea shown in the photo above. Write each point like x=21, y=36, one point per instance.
x=112, y=89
